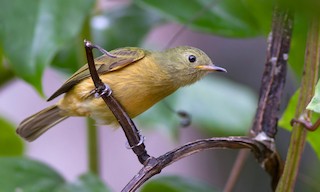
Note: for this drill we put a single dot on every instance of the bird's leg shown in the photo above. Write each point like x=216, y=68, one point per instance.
x=141, y=141
x=306, y=123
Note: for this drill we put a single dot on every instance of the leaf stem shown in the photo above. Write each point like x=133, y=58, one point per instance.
x=93, y=152
x=92, y=133
x=309, y=79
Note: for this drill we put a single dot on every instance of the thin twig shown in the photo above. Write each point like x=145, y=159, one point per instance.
x=130, y=130
x=236, y=169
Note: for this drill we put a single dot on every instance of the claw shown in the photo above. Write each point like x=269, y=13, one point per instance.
x=142, y=139
x=102, y=90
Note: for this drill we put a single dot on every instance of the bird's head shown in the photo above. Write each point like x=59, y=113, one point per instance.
x=187, y=65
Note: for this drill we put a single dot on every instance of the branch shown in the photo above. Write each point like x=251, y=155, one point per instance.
x=154, y=165
x=272, y=85
x=274, y=75
x=308, y=82
x=134, y=138
x=259, y=145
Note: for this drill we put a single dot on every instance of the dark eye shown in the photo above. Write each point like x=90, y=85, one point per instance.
x=192, y=58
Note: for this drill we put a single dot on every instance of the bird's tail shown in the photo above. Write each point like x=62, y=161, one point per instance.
x=34, y=126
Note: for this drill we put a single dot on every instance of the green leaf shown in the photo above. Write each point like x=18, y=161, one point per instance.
x=312, y=137
x=175, y=184
x=216, y=106
x=10, y=143
x=229, y=18
x=314, y=104
x=124, y=26
x=22, y=174
x=85, y=183
x=33, y=31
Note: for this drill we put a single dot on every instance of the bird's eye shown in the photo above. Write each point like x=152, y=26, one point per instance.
x=192, y=58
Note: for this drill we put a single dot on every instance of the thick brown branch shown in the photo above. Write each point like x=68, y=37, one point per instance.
x=274, y=75
x=155, y=165
x=272, y=85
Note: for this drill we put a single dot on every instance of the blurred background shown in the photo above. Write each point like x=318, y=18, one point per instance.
x=220, y=104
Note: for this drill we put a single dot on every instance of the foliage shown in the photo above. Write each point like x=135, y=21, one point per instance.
x=10, y=143
x=32, y=176
x=36, y=34
x=175, y=184
x=289, y=113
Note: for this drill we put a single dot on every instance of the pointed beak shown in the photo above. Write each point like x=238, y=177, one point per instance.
x=211, y=67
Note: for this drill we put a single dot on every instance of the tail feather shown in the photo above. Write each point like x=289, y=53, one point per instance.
x=34, y=126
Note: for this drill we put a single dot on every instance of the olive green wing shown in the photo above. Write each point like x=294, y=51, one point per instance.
x=104, y=64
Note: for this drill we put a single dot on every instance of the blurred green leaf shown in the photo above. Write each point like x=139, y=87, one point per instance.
x=33, y=31
x=125, y=26
x=216, y=105
x=161, y=118
x=228, y=18
x=118, y=27
x=10, y=143
x=22, y=174
x=175, y=184
x=298, y=44
x=312, y=137
x=289, y=113
x=307, y=7
x=69, y=58
x=85, y=183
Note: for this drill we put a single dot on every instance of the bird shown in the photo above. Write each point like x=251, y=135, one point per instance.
x=138, y=78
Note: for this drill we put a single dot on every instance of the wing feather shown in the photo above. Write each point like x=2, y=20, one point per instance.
x=104, y=64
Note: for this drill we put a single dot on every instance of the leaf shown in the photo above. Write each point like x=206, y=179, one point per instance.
x=175, y=184
x=85, y=183
x=161, y=118
x=298, y=44
x=312, y=137
x=314, y=104
x=228, y=18
x=70, y=58
x=22, y=174
x=216, y=105
x=125, y=26
x=33, y=31
x=118, y=27
x=10, y=143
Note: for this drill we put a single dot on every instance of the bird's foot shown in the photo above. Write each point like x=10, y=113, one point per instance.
x=102, y=90
x=141, y=141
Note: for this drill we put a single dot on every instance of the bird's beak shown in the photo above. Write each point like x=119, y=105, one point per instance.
x=211, y=67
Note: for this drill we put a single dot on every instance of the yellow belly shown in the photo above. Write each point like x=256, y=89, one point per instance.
x=135, y=87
